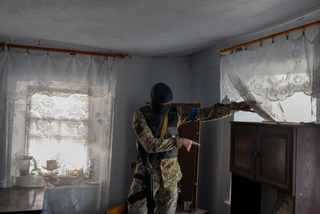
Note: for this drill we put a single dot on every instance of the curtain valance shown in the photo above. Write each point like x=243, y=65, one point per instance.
x=280, y=80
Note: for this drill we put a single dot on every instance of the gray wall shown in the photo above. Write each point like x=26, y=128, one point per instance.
x=192, y=79
x=214, y=154
x=135, y=77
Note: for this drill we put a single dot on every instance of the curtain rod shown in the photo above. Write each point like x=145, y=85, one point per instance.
x=72, y=52
x=284, y=33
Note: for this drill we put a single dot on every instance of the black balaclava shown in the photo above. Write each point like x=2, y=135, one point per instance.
x=160, y=93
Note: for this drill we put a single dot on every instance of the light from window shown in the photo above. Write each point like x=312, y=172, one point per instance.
x=296, y=108
x=58, y=129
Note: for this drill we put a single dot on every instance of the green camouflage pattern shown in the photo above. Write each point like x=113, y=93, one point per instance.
x=165, y=198
x=167, y=170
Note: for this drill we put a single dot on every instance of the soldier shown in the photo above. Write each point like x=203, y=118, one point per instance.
x=156, y=173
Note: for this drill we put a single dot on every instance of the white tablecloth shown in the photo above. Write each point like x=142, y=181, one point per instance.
x=71, y=199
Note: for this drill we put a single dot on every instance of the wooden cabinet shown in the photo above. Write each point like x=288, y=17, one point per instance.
x=263, y=154
x=284, y=157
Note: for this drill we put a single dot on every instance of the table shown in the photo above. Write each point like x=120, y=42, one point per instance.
x=72, y=199
x=21, y=200
x=50, y=199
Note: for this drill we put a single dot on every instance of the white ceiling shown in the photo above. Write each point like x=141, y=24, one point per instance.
x=148, y=27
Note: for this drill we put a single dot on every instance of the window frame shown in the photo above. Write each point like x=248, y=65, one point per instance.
x=29, y=119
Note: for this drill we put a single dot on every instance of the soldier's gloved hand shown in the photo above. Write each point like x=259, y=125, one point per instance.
x=243, y=106
x=187, y=143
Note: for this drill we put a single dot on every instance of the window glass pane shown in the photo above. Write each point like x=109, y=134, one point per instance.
x=58, y=129
x=247, y=116
x=296, y=108
x=299, y=107
x=66, y=106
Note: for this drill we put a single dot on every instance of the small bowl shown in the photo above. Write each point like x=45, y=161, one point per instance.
x=67, y=180
x=50, y=169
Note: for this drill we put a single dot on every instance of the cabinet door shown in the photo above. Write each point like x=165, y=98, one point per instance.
x=275, y=157
x=242, y=161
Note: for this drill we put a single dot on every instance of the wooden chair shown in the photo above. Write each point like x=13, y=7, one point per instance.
x=120, y=209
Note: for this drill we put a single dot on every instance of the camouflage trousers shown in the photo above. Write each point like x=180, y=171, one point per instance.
x=165, y=198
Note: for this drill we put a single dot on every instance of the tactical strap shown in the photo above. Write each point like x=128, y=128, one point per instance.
x=143, y=193
x=164, y=127
x=163, y=132
x=137, y=196
x=139, y=176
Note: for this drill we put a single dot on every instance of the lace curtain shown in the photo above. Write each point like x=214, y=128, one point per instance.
x=281, y=80
x=56, y=127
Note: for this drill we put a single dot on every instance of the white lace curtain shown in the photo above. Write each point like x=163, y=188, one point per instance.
x=57, y=108
x=281, y=80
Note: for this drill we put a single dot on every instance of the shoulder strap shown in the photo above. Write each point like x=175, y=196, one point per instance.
x=163, y=132
x=164, y=126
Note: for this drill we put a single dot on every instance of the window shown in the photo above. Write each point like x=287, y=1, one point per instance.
x=57, y=128
x=283, y=100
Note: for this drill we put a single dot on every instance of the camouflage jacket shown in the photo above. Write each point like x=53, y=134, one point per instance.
x=170, y=168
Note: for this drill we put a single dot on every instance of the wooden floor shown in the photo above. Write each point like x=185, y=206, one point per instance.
x=122, y=209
